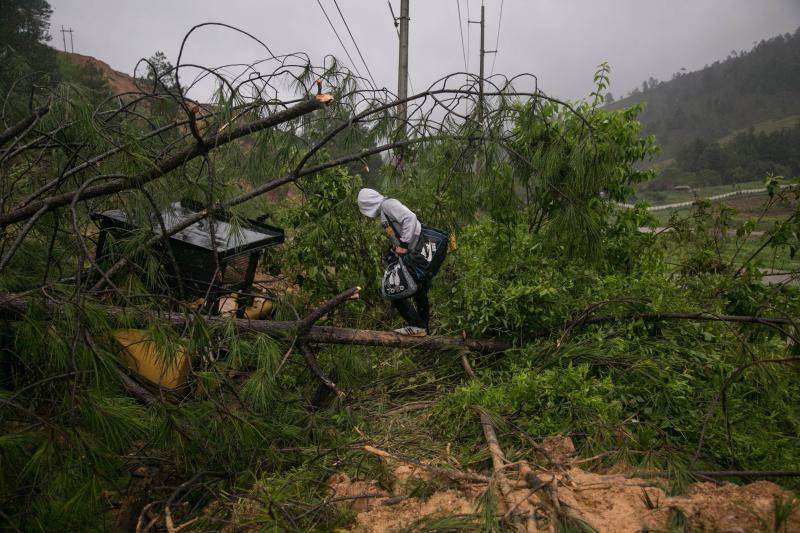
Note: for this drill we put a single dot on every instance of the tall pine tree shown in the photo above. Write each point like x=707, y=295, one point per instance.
x=24, y=30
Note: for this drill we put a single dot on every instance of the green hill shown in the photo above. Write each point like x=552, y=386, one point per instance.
x=746, y=89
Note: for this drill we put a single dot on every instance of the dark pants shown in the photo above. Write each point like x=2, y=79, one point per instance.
x=417, y=313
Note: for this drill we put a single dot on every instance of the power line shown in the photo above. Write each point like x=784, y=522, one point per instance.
x=497, y=42
x=461, y=30
x=339, y=38
x=336, y=3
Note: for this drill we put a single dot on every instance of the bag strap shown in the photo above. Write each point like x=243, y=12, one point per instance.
x=388, y=220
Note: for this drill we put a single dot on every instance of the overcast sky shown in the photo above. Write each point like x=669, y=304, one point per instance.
x=561, y=41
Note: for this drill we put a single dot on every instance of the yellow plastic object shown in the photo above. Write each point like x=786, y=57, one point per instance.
x=143, y=357
x=259, y=311
x=196, y=304
x=452, y=245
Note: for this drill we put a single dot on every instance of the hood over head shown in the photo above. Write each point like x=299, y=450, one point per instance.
x=369, y=202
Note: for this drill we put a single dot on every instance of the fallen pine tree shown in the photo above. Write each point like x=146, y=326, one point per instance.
x=15, y=306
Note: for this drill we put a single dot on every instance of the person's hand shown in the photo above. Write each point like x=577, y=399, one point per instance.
x=399, y=250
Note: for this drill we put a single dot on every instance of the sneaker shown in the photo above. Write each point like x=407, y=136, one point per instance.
x=411, y=331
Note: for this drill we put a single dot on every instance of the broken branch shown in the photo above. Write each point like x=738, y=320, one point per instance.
x=435, y=470
x=163, y=167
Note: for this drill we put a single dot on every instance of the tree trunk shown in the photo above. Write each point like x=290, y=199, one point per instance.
x=15, y=307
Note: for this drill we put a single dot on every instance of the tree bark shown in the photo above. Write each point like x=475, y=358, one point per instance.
x=389, y=339
x=14, y=307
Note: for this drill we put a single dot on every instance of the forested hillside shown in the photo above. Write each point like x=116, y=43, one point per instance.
x=194, y=334
x=747, y=88
x=744, y=157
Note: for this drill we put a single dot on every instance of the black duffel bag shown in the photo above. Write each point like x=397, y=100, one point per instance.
x=434, y=248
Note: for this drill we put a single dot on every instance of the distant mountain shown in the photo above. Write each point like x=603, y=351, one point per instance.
x=746, y=89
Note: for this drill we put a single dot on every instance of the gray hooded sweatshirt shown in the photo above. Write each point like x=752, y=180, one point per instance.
x=393, y=214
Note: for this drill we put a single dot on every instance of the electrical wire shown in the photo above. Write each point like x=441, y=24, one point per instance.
x=461, y=30
x=339, y=38
x=347, y=26
x=497, y=42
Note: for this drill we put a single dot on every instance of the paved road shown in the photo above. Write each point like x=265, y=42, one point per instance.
x=778, y=277
x=660, y=229
x=679, y=205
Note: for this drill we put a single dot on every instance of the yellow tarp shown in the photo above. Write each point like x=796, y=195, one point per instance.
x=143, y=357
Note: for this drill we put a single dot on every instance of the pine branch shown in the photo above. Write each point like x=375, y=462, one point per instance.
x=163, y=167
x=24, y=124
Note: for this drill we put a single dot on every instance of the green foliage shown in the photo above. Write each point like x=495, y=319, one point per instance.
x=160, y=72
x=644, y=391
x=25, y=59
x=507, y=282
x=563, y=160
x=783, y=508
x=333, y=247
x=573, y=525
x=441, y=522
x=87, y=78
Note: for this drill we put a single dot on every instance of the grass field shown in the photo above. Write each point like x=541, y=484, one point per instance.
x=736, y=253
x=768, y=126
x=747, y=208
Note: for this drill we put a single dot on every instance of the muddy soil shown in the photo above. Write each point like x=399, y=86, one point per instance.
x=607, y=502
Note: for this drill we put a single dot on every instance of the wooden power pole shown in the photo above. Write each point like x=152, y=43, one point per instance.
x=483, y=55
x=64, y=38
x=484, y=51
x=402, y=72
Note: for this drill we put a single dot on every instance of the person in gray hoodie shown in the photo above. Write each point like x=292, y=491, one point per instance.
x=405, y=232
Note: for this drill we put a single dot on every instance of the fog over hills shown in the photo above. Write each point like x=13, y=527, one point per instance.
x=732, y=94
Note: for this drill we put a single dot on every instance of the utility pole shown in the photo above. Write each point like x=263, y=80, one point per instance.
x=483, y=55
x=64, y=38
x=482, y=22
x=402, y=71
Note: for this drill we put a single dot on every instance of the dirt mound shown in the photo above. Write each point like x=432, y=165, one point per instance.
x=118, y=81
x=605, y=502
x=382, y=512
x=625, y=504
